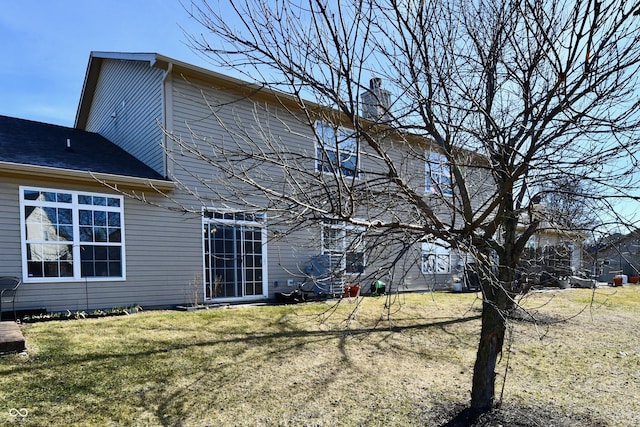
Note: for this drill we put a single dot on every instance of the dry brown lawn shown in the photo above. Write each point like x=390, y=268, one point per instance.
x=398, y=361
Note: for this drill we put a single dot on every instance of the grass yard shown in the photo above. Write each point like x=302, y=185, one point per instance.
x=306, y=365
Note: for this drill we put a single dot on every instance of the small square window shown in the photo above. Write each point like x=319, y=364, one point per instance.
x=436, y=258
x=337, y=150
x=345, y=246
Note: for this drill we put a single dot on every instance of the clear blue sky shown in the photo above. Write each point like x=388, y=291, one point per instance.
x=45, y=47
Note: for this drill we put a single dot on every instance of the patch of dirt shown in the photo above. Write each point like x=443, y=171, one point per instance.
x=535, y=316
x=508, y=415
x=530, y=316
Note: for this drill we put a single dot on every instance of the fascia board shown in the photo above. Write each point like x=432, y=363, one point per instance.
x=70, y=175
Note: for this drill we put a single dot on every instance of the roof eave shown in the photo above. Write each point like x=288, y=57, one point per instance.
x=90, y=80
x=70, y=175
x=180, y=68
x=177, y=68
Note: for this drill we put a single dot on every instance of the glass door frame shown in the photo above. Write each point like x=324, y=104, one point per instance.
x=240, y=223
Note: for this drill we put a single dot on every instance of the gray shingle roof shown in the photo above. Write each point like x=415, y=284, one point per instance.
x=41, y=144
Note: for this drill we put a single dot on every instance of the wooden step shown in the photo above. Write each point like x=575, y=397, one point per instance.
x=11, y=339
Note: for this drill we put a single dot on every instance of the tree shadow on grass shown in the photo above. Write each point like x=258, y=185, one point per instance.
x=166, y=347
x=166, y=403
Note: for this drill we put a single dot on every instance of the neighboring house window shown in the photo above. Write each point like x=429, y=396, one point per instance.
x=555, y=259
x=337, y=150
x=345, y=246
x=235, y=253
x=438, y=174
x=436, y=258
x=71, y=235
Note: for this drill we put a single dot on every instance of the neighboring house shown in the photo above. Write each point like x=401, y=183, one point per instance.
x=554, y=249
x=556, y=252
x=616, y=255
x=88, y=226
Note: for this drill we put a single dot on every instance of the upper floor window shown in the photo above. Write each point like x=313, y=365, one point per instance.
x=345, y=246
x=337, y=151
x=438, y=174
x=71, y=235
x=436, y=257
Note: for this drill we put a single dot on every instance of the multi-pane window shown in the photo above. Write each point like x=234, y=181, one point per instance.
x=436, y=258
x=438, y=174
x=345, y=246
x=71, y=235
x=337, y=150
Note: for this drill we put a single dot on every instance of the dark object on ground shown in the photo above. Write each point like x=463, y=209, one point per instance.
x=292, y=297
x=547, y=280
x=11, y=338
x=581, y=282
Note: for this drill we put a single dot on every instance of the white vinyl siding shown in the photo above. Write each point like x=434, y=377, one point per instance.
x=127, y=109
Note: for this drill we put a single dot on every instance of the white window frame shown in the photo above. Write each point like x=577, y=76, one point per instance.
x=75, y=242
x=438, y=178
x=436, y=257
x=339, y=142
x=350, y=234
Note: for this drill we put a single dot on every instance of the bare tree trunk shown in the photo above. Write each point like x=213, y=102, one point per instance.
x=498, y=302
x=489, y=349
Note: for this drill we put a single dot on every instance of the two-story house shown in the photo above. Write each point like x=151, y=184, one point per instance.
x=83, y=231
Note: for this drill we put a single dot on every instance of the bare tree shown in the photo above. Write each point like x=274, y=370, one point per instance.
x=566, y=203
x=517, y=96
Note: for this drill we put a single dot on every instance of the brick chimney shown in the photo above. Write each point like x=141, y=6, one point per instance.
x=376, y=102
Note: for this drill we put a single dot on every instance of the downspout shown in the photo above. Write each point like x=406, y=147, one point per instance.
x=167, y=123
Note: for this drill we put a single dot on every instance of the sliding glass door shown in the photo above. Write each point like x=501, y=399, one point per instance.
x=234, y=254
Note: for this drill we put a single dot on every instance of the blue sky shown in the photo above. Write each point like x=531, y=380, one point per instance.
x=45, y=47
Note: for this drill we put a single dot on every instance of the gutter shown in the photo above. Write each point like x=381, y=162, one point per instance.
x=70, y=175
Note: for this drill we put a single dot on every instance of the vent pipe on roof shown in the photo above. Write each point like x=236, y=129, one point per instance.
x=68, y=148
